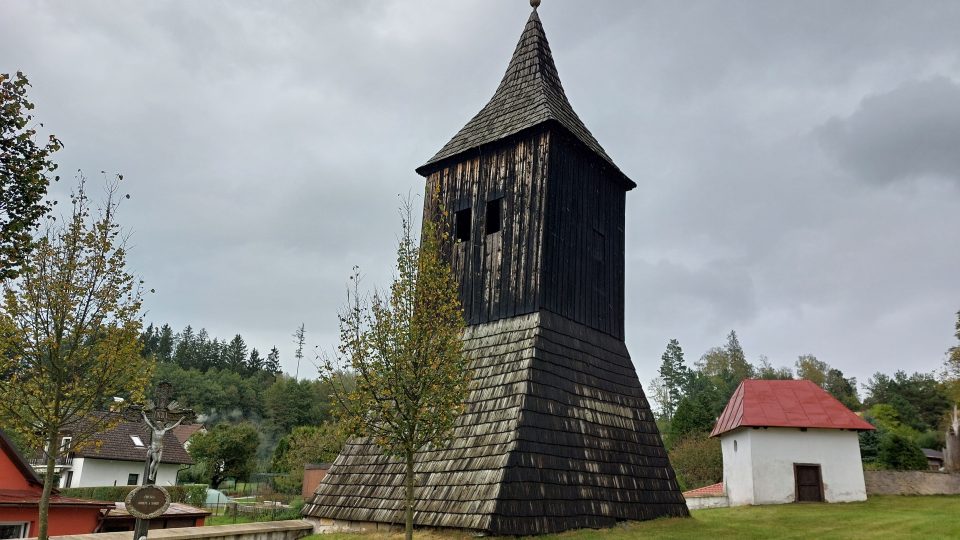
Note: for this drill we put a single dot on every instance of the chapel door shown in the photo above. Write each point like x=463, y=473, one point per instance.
x=809, y=483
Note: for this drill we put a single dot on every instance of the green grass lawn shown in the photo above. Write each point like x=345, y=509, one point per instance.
x=880, y=517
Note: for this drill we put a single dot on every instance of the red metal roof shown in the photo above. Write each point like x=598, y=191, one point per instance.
x=714, y=490
x=799, y=404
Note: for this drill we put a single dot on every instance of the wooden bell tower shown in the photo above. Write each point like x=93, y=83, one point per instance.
x=557, y=433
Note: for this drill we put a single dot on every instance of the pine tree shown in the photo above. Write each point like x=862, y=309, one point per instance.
x=740, y=369
x=272, y=364
x=235, y=355
x=254, y=363
x=184, y=354
x=165, y=344
x=675, y=376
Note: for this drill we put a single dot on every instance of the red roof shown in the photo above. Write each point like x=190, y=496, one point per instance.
x=799, y=404
x=714, y=490
x=22, y=497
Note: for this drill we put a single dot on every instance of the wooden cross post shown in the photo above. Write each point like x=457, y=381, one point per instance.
x=161, y=414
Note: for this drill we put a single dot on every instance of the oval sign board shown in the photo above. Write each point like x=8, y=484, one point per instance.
x=147, y=502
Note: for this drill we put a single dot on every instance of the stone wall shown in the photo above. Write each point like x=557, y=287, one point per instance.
x=267, y=530
x=911, y=483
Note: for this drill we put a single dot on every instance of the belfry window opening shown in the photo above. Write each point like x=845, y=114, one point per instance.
x=461, y=225
x=494, y=218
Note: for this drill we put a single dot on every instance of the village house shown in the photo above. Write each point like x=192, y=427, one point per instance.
x=116, y=457
x=788, y=441
x=20, y=490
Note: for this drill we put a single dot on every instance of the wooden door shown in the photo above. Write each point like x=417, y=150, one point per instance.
x=809, y=482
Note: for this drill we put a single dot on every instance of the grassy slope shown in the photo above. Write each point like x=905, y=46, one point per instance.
x=880, y=517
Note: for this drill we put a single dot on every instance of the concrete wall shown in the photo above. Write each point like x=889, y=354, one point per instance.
x=772, y=452
x=911, y=483
x=89, y=472
x=267, y=530
x=702, y=503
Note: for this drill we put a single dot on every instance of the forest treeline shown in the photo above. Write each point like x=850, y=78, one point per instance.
x=910, y=411
x=258, y=419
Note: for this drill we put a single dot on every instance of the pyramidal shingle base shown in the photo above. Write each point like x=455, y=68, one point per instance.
x=557, y=435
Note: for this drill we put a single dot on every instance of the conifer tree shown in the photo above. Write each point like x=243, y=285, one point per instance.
x=235, y=355
x=273, y=362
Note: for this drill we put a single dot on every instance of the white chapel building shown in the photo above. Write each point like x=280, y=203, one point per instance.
x=789, y=441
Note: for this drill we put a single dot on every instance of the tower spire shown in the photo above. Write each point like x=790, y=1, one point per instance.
x=529, y=94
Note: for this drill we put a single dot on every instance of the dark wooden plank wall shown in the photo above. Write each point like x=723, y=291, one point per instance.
x=583, y=256
x=499, y=273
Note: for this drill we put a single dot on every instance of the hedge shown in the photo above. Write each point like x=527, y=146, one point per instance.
x=192, y=494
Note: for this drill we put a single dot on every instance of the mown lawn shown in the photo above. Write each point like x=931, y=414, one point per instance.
x=880, y=517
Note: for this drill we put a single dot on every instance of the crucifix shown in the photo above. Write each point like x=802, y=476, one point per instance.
x=161, y=414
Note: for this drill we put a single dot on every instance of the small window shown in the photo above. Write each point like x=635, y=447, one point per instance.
x=136, y=441
x=132, y=479
x=65, y=444
x=462, y=225
x=494, y=214
x=14, y=530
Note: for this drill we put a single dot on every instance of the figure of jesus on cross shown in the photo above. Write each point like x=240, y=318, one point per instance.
x=161, y=414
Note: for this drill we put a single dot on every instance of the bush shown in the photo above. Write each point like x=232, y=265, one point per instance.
x=900, y=453
x=697, y=461
x=192, y=494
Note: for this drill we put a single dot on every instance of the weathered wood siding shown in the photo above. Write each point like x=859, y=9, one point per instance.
x=499, y=273
x=583, y=248
x=561, y=246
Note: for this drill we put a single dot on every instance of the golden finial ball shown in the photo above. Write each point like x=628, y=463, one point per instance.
x=535, y=3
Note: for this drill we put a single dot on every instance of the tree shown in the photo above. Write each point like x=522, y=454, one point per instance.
x=69, y=334
x=811, y=369
x=406, y=351
x=900, y=453
x=226, y=451
x=674, y=375
x=235, y=355
x=692, y=419
x=740, y=369
x=768, y=372
x=25, y=169
x=290, y=403
x=920, y=400
x=306, y=444
x=254, y=363
x=300, y=338
x=698, y=461
x=272, y=365
x=845, y=390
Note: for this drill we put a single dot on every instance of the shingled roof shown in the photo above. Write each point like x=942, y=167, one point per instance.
x=117, y=443
x=530, y=94
x=557, y=435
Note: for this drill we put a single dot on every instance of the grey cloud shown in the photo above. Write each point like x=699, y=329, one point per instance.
x=908, y=133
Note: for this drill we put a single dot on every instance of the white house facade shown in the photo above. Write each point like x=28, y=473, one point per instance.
x=116, y=457
x=92, y=472
x=789, y=441
x=760, y=465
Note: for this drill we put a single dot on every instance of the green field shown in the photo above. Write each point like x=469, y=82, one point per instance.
x=880, y=517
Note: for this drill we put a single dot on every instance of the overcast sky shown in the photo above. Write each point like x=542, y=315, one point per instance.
x=798, y=162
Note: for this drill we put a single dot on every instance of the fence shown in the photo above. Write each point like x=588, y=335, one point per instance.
x=911, y=483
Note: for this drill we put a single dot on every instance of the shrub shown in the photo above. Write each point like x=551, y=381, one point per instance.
x=900, y=453
x=697, y=461
x=192, y=494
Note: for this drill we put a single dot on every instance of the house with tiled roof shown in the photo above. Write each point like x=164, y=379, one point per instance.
x=116, y=456
x=789, y=441
x=20, y=490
